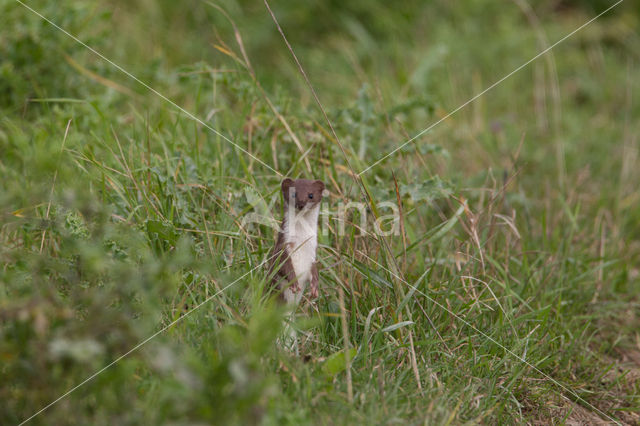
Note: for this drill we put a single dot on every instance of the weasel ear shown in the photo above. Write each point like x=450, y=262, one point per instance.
x=286, y=184
x=319, y=184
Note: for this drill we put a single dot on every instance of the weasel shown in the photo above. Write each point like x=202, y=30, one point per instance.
x=293, y=258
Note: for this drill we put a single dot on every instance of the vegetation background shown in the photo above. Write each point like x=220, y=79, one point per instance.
x=520, y=235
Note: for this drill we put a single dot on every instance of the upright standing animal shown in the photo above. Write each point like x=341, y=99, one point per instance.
x=293, y=259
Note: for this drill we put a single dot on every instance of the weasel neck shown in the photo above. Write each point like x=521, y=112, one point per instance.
x=301, y=224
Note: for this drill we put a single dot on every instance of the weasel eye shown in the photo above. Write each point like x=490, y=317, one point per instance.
x=311, y=196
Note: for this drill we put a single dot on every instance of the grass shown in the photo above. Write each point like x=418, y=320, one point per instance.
x=123, y=218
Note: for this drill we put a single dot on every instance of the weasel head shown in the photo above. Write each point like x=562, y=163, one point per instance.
x=302, y=193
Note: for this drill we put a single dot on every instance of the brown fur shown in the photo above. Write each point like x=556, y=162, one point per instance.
x=302, y=193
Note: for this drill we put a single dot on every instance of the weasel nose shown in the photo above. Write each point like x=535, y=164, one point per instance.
x=311, y=196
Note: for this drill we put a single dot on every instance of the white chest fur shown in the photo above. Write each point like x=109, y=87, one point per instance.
x=301, y=237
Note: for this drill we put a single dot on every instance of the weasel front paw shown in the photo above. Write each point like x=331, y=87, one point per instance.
x=294, y=287
x=314, y=292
